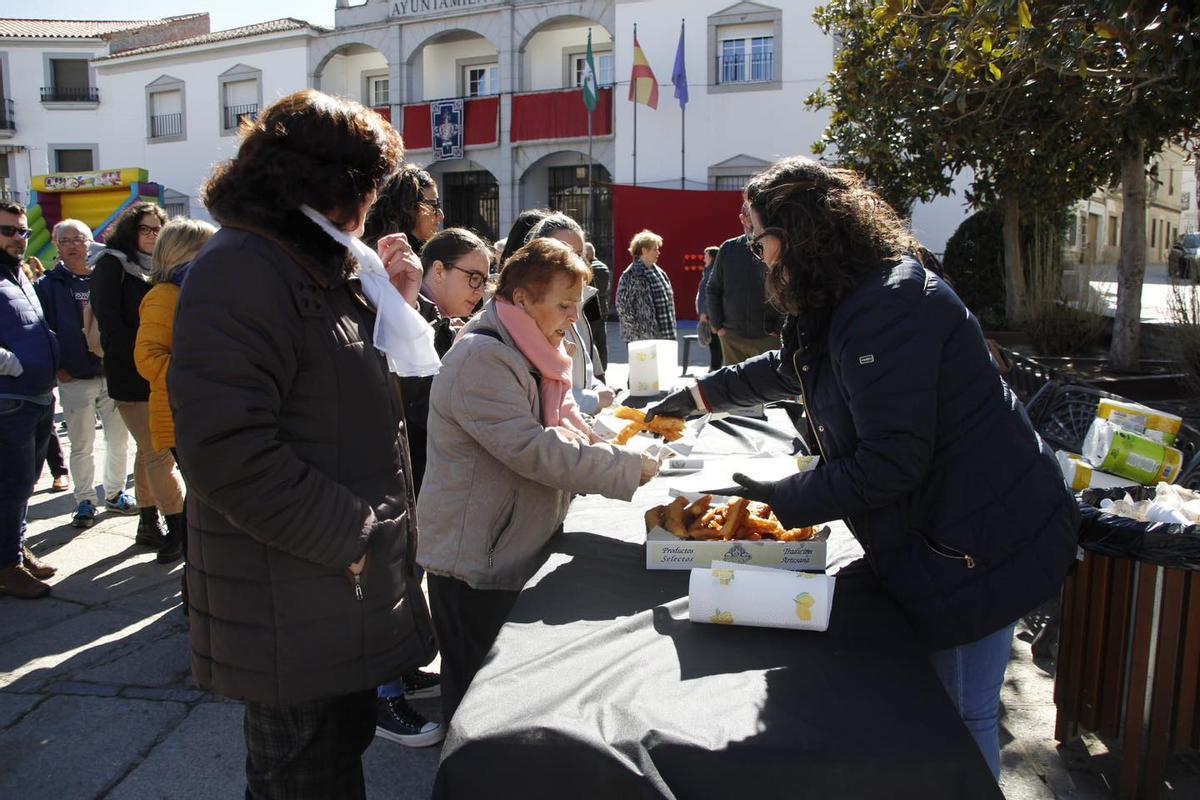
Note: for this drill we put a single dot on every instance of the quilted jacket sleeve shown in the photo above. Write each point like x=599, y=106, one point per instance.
x=237, y=351
x=152, y=351
x=886, y=357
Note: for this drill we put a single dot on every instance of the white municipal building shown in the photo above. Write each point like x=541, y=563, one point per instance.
x=167, y=95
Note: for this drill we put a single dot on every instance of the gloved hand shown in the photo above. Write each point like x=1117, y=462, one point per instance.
x=680, y=405
x=754, y=490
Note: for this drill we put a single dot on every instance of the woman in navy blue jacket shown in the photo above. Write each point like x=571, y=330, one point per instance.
x=929, y=457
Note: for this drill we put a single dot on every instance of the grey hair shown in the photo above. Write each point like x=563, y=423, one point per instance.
x=73, y=224
x=553, y=223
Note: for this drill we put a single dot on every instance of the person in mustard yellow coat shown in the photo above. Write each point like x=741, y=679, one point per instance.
x=179, y=242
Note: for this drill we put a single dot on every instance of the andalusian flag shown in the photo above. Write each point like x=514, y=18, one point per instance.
x=591, y=92
x=643, y=87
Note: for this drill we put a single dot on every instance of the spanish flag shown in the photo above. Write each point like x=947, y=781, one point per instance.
x=643, y=87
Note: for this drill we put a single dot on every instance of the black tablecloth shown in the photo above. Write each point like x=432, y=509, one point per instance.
x=600, y=687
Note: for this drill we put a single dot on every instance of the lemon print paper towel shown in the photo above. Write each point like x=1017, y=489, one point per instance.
x=738, y=594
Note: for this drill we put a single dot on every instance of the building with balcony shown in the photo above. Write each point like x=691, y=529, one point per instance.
x=174, y=108
x=49, y=94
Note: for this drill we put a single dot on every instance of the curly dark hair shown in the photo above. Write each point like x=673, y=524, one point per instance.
x=308, y=148
x=124, y=236
x=833, y=230
x=396, y=209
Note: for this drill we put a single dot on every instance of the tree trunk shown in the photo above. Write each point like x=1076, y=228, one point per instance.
x=1014, y=271
x=1131, y=271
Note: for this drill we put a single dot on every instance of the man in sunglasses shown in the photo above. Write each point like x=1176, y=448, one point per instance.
x=28, y=365
x=738, y=310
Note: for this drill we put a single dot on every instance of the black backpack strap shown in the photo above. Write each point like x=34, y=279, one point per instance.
x=488, y=332
x=492, y=334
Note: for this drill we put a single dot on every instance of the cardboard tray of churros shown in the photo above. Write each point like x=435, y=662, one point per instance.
x=694, y=530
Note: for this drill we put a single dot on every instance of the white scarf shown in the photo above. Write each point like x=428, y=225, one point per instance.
x=401, y=334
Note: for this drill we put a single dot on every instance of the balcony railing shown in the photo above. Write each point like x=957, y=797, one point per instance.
x=70, y=94
x=235, y=114
x=738, y=68
x=7, y=123
x=163, y=125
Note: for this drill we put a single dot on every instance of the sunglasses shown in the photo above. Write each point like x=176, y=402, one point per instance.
x=475, y=280
x=756, y=243
x=13, y=230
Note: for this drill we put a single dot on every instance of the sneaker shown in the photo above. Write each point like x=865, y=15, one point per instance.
x=121, y=503
x=420, y=684
x=60, y=484
x=17, y=581
x=37, y=568
x=85, y=515
x=396, y=721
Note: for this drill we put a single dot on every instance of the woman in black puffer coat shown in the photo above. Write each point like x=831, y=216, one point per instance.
x=925, y=452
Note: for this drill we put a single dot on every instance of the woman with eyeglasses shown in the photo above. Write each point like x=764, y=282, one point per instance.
x=507, y=449
x=408, y=204
x=958, y=504
x=121, y=278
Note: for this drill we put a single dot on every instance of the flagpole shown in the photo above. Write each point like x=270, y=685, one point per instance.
x=590, y=221
x=682, y=130
x=633, y=87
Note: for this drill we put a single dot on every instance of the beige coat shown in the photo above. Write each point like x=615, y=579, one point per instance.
x=498, y=483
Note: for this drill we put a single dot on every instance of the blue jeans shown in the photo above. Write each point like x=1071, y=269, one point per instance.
x=25, y=429
x=973, y=675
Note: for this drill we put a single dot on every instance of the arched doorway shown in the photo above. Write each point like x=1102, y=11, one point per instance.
x=470, y=197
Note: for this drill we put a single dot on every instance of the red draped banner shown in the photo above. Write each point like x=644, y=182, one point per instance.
x=687, y=221
x=481, y=118
x=539, y=116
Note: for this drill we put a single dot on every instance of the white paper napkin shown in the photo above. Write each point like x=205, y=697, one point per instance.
x=760, y=597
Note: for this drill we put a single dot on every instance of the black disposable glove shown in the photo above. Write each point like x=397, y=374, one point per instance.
x=680, y=405
x=752, y=489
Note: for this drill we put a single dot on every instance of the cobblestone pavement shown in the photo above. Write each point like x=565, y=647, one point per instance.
x=96, y=699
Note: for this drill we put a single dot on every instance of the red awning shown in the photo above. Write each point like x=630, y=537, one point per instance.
x=481, y=115
x=540, y=116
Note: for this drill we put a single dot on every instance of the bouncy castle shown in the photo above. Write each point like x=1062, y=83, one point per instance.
x=95, y=198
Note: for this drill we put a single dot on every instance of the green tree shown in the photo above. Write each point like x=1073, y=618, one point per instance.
x=921, y=91
x=1124, y=78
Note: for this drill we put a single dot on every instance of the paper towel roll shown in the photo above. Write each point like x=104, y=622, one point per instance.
x=764, y=598
x=1080, y=475
x=1116, y=450
x=1158, y=426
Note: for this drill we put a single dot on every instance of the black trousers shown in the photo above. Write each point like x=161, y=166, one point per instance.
x=715, y=358
x=310, y=750
x=54, y=455
x=466, y=621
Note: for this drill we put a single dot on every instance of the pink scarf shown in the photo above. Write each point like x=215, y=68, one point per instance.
x=554, y=364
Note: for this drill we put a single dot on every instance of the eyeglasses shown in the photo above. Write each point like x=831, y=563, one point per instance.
x=149, y=230
x=756, y=243
x=475, y=280
x=435, y=203
x=13, y=230
x=73, y=241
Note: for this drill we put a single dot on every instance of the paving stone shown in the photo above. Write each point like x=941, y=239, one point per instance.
x=98, y=567
x=82, y=688
x=162, y=662
x=203, y=758
x=164, y=596
x=29, y=661
x=13, y=706
x=66, y=747
x=188, y=696
x=18, y=617
x=398, y=772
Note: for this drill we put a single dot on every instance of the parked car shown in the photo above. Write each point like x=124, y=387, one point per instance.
x=1184, y=259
